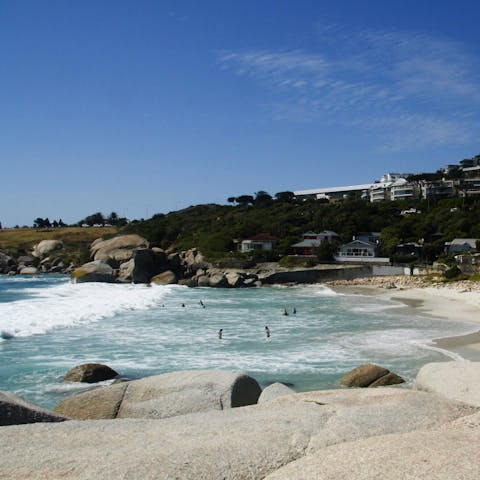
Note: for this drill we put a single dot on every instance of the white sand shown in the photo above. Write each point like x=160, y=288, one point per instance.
x=458, y=301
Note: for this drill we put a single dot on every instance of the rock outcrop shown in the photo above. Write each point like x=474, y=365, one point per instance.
x=370, y=375
x=147, y=264
x=459, y=381
x=250, y=442
x=117, y=249
x=90, y=373
x=15, y=410
x=167, y=395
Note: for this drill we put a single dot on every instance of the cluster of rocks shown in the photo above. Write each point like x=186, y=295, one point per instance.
x=129, y=258
x=46, y=257
x=210, y=424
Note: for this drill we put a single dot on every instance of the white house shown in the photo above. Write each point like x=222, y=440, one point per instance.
x=261, y=241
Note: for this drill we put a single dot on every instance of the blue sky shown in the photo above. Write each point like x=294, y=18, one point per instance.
x=142, y=107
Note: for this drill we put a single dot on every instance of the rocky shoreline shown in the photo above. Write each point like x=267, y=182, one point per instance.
x=208, y=424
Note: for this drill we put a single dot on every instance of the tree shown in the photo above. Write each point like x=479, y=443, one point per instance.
x=231, y=199
x=95, y=219
x=285, y=196
x=262, y=198
x=245, y=199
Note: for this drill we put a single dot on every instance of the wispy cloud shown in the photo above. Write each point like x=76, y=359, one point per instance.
x=407, y=88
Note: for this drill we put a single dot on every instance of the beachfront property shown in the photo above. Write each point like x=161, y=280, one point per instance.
x=411, y=250
x=312, y=240
x=364, y=248
x=261, y=241
x=334, y=193
x=459, y=245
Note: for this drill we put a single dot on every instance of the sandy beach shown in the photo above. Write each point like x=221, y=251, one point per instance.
x=457, y=301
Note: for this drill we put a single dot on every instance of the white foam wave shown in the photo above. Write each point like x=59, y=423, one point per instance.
x=70, y=305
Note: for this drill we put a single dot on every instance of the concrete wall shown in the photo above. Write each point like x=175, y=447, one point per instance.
x=320, y=275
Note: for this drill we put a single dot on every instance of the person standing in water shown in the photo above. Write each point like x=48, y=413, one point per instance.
x=267, y=331
x=285, y=312
x=220, y=334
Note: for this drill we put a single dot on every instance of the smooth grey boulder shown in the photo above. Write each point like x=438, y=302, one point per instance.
x=118, y=249
x=14, y=410
x=96, y=271
x=100, y=403
x=240, y=443
x=179, y=393
x=45, y=247
x=273, y=391
x=459, y=381
x=161, y=396
x=90, y=373
x=28, y=271
x=165, y=278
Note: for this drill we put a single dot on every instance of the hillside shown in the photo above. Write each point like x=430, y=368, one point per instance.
x=213, y=228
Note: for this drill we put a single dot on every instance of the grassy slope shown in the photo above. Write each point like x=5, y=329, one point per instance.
x=75, y=239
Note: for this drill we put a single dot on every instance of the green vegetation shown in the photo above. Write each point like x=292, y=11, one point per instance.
x=215, y=228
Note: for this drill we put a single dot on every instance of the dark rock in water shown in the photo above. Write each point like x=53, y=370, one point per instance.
x=16, y=411
x=90, y=373
x=147, y=264
x=388, y=379
x=6, y=335
x=363, y=375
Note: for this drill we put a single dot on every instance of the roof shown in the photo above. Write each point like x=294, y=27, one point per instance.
x=462, y=241
x=360, y=242
x=350, y=188
x=308, y=243
x=263, y=237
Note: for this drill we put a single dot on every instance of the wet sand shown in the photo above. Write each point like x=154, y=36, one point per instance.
x=455, y=301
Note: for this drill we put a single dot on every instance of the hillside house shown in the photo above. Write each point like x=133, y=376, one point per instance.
x=459, y=245
x=312, y=240
x=261, y=241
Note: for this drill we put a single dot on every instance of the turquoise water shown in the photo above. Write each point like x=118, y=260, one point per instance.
x=142, y=331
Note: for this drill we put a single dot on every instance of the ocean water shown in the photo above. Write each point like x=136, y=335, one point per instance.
x=141, y=331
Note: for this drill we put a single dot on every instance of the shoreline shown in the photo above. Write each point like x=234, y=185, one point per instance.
x=455, y=301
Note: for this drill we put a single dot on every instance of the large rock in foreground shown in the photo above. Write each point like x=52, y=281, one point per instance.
x=449, y=453
x=15, y=410
x=90, y=373
x=458, y=381
x=240, y=443
x=167, y=395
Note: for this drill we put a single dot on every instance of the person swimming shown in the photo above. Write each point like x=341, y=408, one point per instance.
x=183, y=305
x=220, y=334
x=285, y=312
x=294, y=311
x=267, y=331
x=202, y=304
